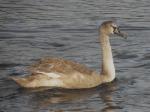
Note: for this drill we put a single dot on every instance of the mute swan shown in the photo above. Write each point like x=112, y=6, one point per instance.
x=57, y=72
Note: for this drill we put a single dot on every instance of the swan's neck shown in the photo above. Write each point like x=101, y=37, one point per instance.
x=108, y=68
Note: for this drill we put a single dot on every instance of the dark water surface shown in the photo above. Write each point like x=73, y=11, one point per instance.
x=31, y=29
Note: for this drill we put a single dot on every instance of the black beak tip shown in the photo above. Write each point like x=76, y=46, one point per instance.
x=124, y=35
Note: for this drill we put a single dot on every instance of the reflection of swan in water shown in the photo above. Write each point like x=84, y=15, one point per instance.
x=107, y=98
x=103, y=93
x=54, y=72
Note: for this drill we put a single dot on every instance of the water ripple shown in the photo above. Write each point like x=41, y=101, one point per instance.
x=32, y=29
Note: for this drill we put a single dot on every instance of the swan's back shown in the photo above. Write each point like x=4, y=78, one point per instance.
x=59, y=65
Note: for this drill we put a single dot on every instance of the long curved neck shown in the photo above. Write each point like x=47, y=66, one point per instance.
x=108, y=68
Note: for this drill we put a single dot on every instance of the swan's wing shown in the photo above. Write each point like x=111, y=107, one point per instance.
x=59, y=65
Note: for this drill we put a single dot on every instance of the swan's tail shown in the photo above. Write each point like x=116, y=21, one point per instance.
x=40, y=80
x=20, y=81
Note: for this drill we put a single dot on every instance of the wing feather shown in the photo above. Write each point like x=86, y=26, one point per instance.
x=59, y=65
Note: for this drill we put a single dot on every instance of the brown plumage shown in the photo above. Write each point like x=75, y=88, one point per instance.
x=59, y=65
x=71, y=74
x=58, y=72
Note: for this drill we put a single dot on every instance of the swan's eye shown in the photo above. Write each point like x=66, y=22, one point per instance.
x=114, y=28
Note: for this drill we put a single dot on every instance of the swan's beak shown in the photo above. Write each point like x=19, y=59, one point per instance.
x=119, y=33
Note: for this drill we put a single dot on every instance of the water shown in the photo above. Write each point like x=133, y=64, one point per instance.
x=31, y=29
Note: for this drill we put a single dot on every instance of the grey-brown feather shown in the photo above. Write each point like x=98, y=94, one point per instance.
x=59, y=65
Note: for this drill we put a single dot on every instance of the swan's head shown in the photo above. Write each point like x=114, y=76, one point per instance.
x=109, y=27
